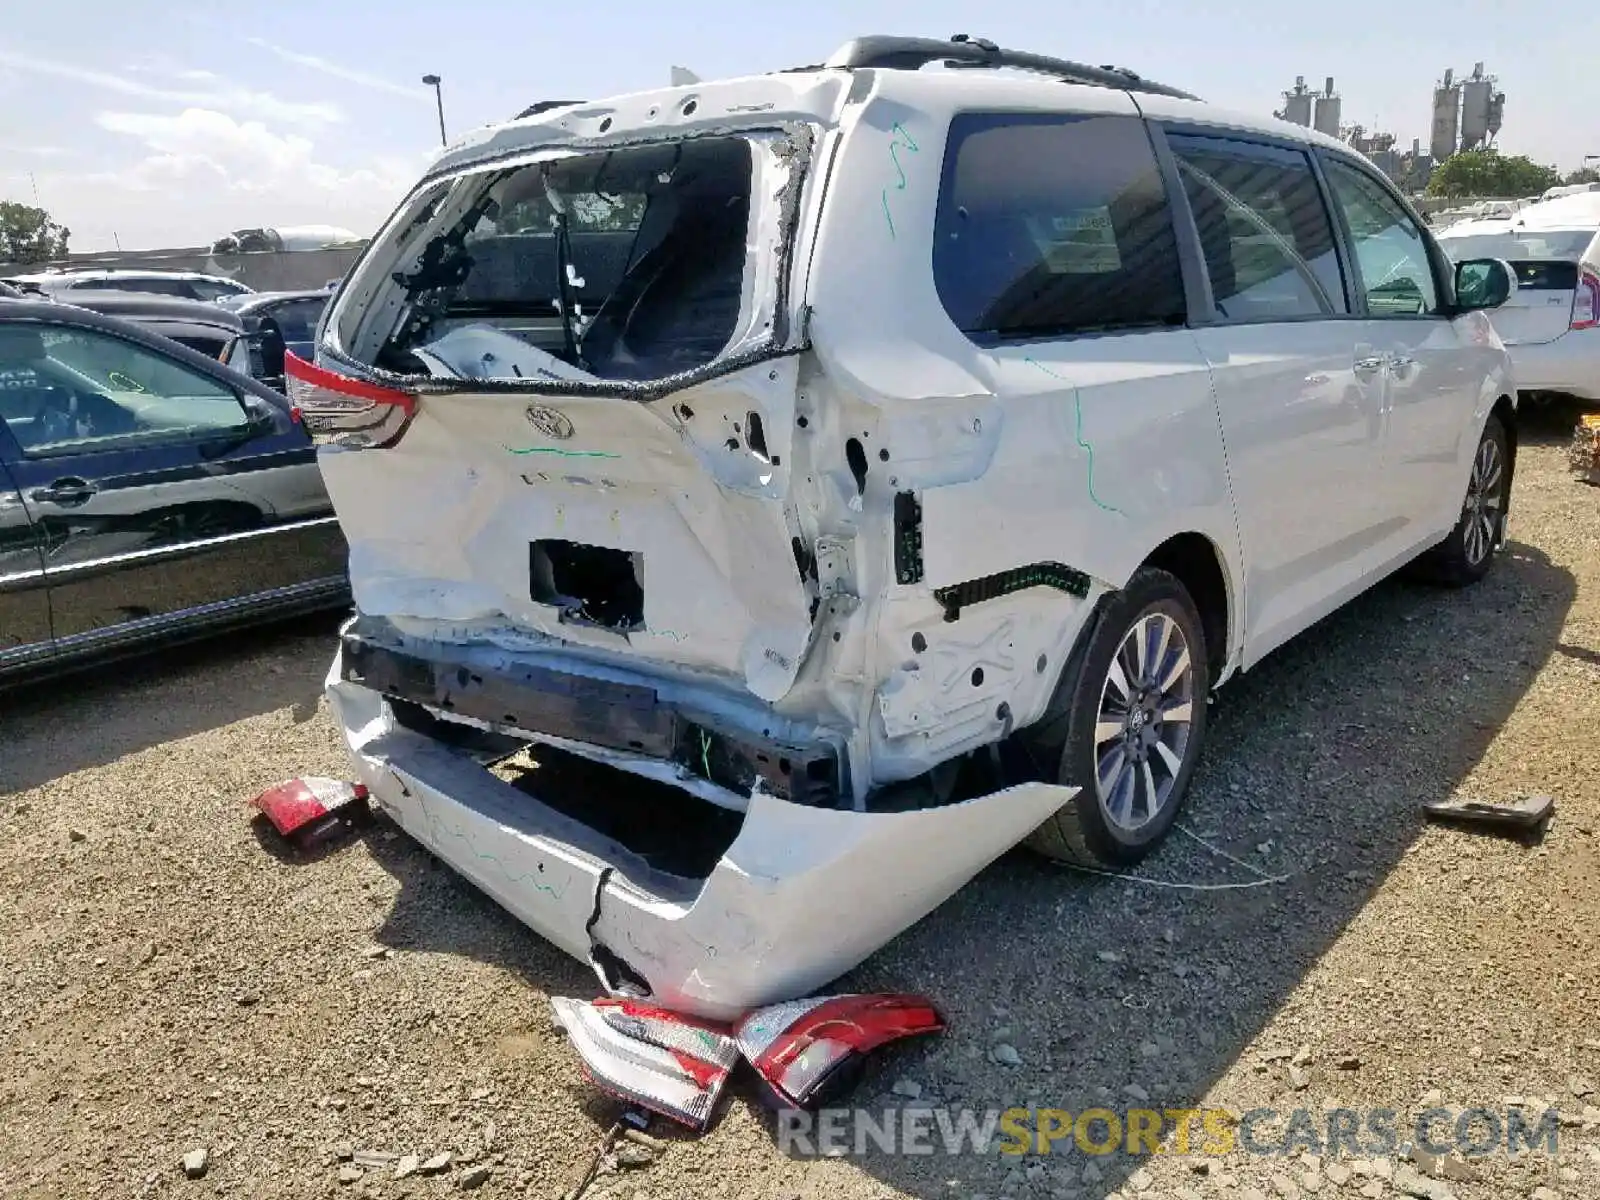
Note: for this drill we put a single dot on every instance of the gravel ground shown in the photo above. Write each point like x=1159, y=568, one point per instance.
x=171, y=981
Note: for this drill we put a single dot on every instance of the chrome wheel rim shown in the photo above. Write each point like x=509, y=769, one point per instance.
x=1481, y=512
x=1145, y=722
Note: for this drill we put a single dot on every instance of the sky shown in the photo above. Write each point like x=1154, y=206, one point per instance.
x=146, y=125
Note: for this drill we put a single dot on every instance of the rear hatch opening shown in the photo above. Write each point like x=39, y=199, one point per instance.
x=630, y=265
x=642, y=505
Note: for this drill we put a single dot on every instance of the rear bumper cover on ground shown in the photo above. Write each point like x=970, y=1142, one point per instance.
x=802, y=895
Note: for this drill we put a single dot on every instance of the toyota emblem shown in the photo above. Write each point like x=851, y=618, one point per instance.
x=549, y=422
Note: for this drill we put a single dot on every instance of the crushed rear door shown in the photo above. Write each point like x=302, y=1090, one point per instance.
x=595, y=359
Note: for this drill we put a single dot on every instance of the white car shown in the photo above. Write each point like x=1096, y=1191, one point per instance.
x=841, y=475
x=189, y=285
x=1551, y=325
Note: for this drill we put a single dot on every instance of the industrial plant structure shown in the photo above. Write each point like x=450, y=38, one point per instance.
x=1467, y=114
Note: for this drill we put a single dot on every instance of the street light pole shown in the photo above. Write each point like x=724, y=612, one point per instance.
x=433, y=81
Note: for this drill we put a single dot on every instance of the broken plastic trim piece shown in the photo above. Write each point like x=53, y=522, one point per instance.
x=641, y=1056
x=801, y=1047
x=991, y=587
x=301, y=809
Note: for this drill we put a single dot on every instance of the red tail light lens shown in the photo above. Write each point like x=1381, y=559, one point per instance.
x=799, y=1045
x=673, y=1065
x=338, y=410
x=1586, y=301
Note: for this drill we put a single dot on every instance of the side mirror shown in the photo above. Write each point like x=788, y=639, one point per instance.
x=1484, y=283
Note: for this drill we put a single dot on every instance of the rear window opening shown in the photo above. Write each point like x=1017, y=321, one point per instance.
x=591, y=585
x=626, y=265
x=1546, y=276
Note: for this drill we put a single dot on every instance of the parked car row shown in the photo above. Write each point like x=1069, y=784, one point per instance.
x=149, y=491
x=185, y=285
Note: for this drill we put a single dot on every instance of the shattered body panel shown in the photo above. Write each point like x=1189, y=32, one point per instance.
x=802, y=895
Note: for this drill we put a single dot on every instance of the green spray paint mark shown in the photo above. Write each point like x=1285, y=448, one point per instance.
x=901, y=141
x=439, y=831
x=1077, y=404
x=564, y=453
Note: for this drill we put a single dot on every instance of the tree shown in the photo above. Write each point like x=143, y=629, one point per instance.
x=28, y=235
x=1487, y=174
x=1583, y=175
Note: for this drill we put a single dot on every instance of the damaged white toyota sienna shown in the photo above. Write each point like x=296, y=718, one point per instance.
x=769, y=500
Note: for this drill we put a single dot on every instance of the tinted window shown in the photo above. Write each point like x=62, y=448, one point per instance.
x=1391, y=253
x=1265, y=232
x=79, y=390
x=1052, y=225
x=297, y=320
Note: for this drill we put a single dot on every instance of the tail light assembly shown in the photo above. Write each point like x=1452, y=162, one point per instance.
x=340, y=411
x=1586, y=300
x=807, y=1051
x=673, y=1065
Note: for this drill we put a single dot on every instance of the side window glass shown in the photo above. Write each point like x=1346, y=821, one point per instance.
x=1390, y=250
x=83, y=391
x=1265, y=232
x=1050, y=226
x=298, y=320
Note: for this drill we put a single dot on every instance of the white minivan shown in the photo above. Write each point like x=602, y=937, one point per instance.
x=769, y=500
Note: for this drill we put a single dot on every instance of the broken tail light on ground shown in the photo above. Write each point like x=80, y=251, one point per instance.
x=338, y=410
x=670, y=1064
x=807, y=1050
x=308, y=809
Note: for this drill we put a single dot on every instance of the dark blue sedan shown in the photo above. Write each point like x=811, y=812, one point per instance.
x=147, y=494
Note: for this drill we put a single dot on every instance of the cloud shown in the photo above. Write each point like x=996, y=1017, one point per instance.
x=216, y=94
x=338, y=71
x=241, y=156
x=37, y=151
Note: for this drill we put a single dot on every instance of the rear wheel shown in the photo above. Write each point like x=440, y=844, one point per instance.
x=1466, y=555
x=1125, y=726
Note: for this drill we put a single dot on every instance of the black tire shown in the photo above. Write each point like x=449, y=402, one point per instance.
x=1062, y=747
x=1466, y=555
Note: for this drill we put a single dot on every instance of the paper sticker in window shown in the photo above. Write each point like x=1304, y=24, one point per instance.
x=1077, y=243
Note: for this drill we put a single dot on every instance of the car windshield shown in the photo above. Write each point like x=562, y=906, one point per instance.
x=1519, y=244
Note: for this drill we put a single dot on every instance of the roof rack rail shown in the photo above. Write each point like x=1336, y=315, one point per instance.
x=910, y=54
x=534, y=110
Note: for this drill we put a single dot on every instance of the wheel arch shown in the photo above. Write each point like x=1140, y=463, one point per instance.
x=1200, y=565
x=1505, y=408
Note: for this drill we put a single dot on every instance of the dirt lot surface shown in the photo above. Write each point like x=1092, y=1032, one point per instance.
x=170, y=981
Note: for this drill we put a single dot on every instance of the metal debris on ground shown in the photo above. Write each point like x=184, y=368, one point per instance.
x=593, y=1168
x=1516, y=816
x=1584, y=456
x=311, y=810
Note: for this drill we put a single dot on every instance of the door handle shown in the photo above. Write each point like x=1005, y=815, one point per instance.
x=70, y=490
